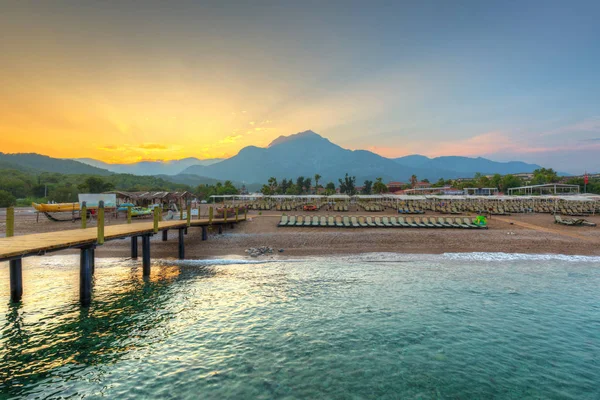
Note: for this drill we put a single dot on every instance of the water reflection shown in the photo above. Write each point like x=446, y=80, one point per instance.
x=127, y=312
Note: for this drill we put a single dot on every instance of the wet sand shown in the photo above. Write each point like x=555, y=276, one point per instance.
x=530, y=234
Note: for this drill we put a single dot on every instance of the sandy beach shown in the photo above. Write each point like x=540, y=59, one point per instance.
x=530, y=234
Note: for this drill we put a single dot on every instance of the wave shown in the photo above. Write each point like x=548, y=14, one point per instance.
x=518, y=257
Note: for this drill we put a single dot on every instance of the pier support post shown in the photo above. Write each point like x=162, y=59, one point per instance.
x=16, y=280
x=85, y=277
x=220, y=229
x=181, y=245
x=165, y=235
x=146, y=254
x=134, y=247
x=204, y=233
x=93, y=260
x=101, y=222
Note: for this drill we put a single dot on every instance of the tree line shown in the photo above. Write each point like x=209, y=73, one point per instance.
x=22, y=187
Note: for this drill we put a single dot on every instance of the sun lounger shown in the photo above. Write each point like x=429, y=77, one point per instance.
x=347, y=222
x=315, y=221
x=470, y=223
x=402, y=223
x=378, y=222
x=451, y=222
x=460, y=223
x=354, y=222
x=443, y=223
x=302, y=221
x=394, y=222
x=362, y=222
x=370, y=222
x=338, y=222
x=284, y=220
x=330, y=221
x=386, y=222
x=418, y=222
x=426, y=222
x=323, y=221
x=436, y=224
x=292, y=220
x=411, y=223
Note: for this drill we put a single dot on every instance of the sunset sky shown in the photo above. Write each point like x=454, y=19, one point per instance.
x=508, y=80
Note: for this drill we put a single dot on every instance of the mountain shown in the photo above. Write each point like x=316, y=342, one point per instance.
x=33, y=162
x=307, y=153
x=466, y=166
x=173, y=167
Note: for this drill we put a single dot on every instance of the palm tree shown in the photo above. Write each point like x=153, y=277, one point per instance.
x=413, y=181
x=317, y=177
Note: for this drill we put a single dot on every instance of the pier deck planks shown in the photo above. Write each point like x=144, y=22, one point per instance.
x=39, y=243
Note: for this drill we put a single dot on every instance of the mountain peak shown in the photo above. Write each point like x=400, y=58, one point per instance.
x=296, y=136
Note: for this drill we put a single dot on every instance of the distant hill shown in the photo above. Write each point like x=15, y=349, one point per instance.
x=466, y=166
x=31, y=162
x=173, y=167
x=308, y=153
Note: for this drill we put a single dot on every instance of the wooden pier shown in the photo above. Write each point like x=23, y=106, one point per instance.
x=15, y=248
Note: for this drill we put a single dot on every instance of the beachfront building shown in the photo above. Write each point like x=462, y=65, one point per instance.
x=395, y=186
x=422, y=185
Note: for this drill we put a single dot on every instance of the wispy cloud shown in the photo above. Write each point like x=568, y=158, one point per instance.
x=230, y=139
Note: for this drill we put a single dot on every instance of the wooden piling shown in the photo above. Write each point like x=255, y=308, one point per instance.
x=10, y=221
x=155, y=220
x=85, y=277
x=220, y=229
x=165, y=235
x=93, y=260
x=16, y=280
x=129, y=212
x=146, y=254
x=160, y=213
x=101, y=222
x=181, y=245
x=83, y=213
x=189, y=214
x=237, y=211
x=210, y=214
x=134, y=247
x=246, y=212
x=181, y=214
x=204, y=233
x=225, y=214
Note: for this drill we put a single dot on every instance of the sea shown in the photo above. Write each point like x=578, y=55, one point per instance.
x=371, y=326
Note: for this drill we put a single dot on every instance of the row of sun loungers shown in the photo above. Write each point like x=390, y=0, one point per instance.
x=410, y=210
x=377, y=222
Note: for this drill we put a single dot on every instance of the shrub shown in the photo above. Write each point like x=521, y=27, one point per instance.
x=7, y=199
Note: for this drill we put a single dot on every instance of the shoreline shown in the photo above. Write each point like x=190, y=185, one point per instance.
x=516, y=234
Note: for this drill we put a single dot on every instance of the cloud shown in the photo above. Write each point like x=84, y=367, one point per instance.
x=587, y=125
x=153, y=146
x=591, y=140
x=230, y=139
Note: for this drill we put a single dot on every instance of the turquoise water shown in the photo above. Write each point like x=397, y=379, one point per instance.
x=373, y=326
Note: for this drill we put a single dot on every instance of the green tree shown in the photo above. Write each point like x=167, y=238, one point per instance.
x=543, y=175
x=7, y=199
x=379, y=187
x=317, y=178
x=95, y=185
x=510, y=181
x=413, y=181
x=347, y=185
x=367, y=187
x=330, y=189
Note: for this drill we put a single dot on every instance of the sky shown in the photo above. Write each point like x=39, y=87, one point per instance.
x=145, y=80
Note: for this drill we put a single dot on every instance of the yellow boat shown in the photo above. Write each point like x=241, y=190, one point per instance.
x=57, y=207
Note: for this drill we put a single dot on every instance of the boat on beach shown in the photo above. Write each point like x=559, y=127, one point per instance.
x=55, y=207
